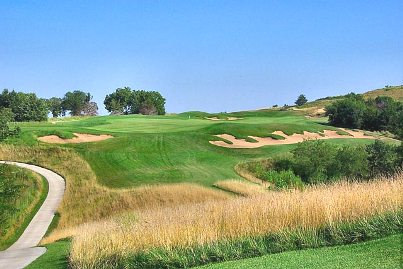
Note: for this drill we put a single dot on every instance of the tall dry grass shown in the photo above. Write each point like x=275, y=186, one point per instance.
x=243, y=188
x=189, y=225
x=85, y=200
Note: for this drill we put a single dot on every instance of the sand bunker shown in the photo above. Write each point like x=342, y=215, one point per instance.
x=79, y=138
x=218, y=119
x=288, y=139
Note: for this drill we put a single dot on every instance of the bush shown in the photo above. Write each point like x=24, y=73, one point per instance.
x=351, y=162
x=283, y=179
x=313, y=161
x=383, y=158
x=347, y=112
x=320, y=162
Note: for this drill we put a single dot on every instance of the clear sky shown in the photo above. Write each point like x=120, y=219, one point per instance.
x=202, y=55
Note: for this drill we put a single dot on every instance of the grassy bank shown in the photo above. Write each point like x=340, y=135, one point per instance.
x=383, y=253
x=31, y=190
x=190, y=235
x=85, y=200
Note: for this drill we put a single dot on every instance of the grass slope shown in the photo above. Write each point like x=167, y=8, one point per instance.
x=56, y=256
x=172, y=148
x=30, y=198
x=376, y=254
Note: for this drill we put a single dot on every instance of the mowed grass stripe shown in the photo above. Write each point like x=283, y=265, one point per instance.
x=376, y=254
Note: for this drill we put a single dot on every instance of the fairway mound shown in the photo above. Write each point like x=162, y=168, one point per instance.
x=288, y=139
x=218, y=119
x=79, y=138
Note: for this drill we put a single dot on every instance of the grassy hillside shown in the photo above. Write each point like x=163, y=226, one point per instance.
x=376, y=254
x=396, y=92
x=170, y=149
x=30, y=192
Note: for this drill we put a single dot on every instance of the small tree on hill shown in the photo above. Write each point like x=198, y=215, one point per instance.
x=301, y=100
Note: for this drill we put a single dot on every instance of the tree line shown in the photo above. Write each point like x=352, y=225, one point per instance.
x=19, y=106
x=380, y=114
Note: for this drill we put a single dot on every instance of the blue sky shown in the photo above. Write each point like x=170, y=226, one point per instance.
x=202, y=55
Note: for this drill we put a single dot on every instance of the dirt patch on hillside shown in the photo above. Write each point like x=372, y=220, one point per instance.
x=79, y=138
x=288, y=139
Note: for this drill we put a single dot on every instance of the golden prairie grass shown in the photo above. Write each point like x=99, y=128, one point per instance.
x=201, y=224
x=240, y=187
x=85, y=200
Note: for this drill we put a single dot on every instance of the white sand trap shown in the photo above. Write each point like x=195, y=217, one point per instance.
x=288, y=139
x=79, y=138
x=228, y=118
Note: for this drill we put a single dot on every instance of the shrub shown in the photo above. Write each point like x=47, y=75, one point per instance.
x=283, y=179
x=347, y=112
x=313, y=160
x=382, y=158
x=351, y=162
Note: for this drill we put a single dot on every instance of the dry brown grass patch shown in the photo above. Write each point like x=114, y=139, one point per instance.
x=199, y=224
x=241, y=187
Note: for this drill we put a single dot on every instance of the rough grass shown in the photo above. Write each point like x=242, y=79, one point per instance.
x=181, y=236
x=30, y=198
x=241, y=187
x=85, y=200
x=376, y=254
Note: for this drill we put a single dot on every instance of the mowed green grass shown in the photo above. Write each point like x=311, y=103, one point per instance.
x=172, y=148
x=377, y=254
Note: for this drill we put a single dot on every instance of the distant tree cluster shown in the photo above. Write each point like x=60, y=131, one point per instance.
x=380, y=114
x=28, y=107
x=128, y=101
x=24, y=106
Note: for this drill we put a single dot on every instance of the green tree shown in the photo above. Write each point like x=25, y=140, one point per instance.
x=148, y=102
x=55, y=106
x=75, y=102
x=120, y=101
x=25, y=106
x=301, y=100
x=6, y=116
x=347, y=112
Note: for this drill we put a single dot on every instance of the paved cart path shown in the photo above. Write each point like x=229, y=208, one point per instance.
x=25, y=250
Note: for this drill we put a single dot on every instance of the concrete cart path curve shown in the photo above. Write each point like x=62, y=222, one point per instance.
x=25, y=250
